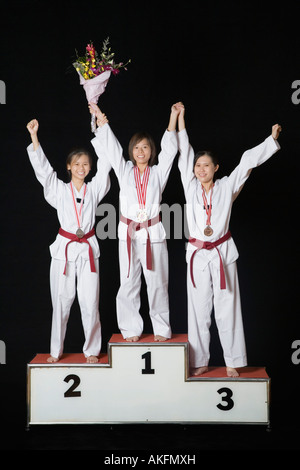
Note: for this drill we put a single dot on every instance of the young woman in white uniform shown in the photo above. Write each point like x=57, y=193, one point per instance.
x=212, y=279
x=75, y=252
x=142, y=244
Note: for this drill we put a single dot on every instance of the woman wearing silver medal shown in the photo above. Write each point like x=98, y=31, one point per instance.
x=212, y=280
x=75, y=252
x=142, y=238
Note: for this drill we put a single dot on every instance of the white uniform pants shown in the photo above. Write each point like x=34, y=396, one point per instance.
x=227, y=307
x=130, y=321
x=63, y=291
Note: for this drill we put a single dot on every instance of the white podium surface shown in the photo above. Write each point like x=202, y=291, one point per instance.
x=143, y=382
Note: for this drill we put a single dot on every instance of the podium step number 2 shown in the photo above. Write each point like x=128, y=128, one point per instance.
x=143, y=382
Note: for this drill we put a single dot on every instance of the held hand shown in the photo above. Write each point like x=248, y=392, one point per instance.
x=175, y=112
x=32, y=127
x=276, y=129
x=94, y=109
x=177, y=108
x=181, y=121
x=101, y=118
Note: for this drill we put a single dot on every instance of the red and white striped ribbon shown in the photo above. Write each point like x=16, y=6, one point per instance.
x=141, y=187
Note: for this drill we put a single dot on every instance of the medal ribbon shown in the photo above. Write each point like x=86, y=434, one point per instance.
x=207, y=209
x=78, y=215
x=141, y=188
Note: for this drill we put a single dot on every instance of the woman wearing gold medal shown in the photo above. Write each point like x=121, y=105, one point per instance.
x=142, y=238
x=212, y=280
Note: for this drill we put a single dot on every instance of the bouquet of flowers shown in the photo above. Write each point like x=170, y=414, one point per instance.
x=94, y=71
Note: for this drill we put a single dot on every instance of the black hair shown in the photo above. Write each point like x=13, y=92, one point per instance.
x=135, y=139
x=199, y=154
x=77, y=153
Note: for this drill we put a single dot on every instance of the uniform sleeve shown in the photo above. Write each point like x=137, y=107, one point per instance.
x=106, y=143
x=251, y=159
x=44, y=174
x=186, y=161
x=169, y=149
x=101, y=181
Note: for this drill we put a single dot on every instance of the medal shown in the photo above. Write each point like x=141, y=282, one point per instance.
x=79, y=233
x=208, y=231
x=142, y=215
x=141, y=188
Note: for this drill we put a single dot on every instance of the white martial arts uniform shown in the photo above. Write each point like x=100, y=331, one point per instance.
x=206, y=263
x=130, y=321
x=63, y=286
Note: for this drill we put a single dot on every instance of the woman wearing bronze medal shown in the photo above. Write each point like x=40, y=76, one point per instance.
x=212, y=280
x=142, y=238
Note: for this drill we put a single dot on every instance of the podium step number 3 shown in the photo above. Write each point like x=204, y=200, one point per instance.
x=143, y=382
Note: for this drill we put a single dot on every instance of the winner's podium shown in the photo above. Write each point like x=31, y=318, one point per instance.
x=143, y=382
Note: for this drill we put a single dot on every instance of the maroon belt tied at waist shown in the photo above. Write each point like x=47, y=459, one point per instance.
x=132, y=225
x=73, y=238
x=209, y=246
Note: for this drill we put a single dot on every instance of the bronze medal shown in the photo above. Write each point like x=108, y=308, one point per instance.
x=208, y=231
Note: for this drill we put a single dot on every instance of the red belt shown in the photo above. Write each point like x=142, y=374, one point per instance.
x=209, y=246
x=132, y=225
x=73, y=238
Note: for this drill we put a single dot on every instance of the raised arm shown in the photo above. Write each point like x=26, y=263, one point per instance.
x=186, y=158
x=42, y=168
x=169, y=146
x=252, y=158
x=276, y=129
x=181, y=119
x=175, y=110
x=106, y=143
x=33, y=127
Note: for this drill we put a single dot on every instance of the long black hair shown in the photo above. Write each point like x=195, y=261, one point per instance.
x=199, y=154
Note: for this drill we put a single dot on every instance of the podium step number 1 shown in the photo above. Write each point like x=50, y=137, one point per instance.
x=143, y=382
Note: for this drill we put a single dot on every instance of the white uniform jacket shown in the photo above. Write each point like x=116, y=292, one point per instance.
x=58, y=194
x=129, y=204
x=225, y=191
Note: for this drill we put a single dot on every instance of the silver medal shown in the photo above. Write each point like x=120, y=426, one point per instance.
x=80, y=233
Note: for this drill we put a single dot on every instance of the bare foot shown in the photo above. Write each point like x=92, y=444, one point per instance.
x=199, y=370
x=92, y=359
x=132, y=339
x=160, y=338
x=231, y=372
x=52, y=359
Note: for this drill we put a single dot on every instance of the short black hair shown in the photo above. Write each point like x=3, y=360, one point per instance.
x=135, y=139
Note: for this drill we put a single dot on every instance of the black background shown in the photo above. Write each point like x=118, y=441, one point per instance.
x=232, y=64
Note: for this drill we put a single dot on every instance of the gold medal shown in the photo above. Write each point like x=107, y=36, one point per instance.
x=142, y=215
